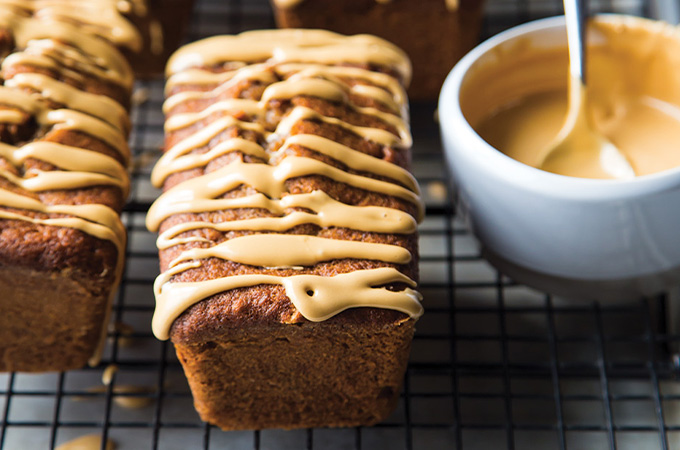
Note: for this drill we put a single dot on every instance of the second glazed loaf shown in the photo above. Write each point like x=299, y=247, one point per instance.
x=288, y=228
x=63, y=181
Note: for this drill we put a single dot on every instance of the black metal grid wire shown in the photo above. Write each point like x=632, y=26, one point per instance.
x=494, y=364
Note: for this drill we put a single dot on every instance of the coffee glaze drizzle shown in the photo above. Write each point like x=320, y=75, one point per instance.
x=104, y=18
x=44, y=43
x=290, y=63
x=55, y=105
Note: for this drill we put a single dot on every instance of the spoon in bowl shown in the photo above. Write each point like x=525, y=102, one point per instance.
x=579, y=150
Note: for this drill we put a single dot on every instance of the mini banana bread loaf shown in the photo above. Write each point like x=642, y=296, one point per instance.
x=63, y=181
x=288, y=244
x=434, y=33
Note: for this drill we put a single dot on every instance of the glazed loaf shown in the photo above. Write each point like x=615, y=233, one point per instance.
x=63, y=181
x=288, y=244
x=434, y=33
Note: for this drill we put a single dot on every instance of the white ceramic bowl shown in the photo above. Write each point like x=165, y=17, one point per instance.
x=594, y=239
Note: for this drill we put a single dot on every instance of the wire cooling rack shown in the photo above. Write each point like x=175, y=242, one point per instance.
x=494, y=365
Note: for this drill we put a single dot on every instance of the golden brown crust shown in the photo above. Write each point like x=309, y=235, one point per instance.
x=46, y=249
x=52, y=320
x=344, y=371
x=291, y=376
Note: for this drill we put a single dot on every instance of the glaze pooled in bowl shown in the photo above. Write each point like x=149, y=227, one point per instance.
x=633, y=79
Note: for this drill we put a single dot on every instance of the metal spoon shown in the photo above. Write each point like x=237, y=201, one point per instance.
x=579, y=150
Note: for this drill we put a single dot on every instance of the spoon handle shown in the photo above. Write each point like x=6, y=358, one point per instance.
x=575, y=12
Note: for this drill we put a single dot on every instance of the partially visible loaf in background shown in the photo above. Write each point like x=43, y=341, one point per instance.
x=288, y=243
x=163, y=28
x=434, y=33
x=147, y=32
x=63, y=181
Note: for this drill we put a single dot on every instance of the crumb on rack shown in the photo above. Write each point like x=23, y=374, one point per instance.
x=140, y=96
x=437, y=190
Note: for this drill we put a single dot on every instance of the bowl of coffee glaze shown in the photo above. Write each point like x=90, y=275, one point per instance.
x=577, y=237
